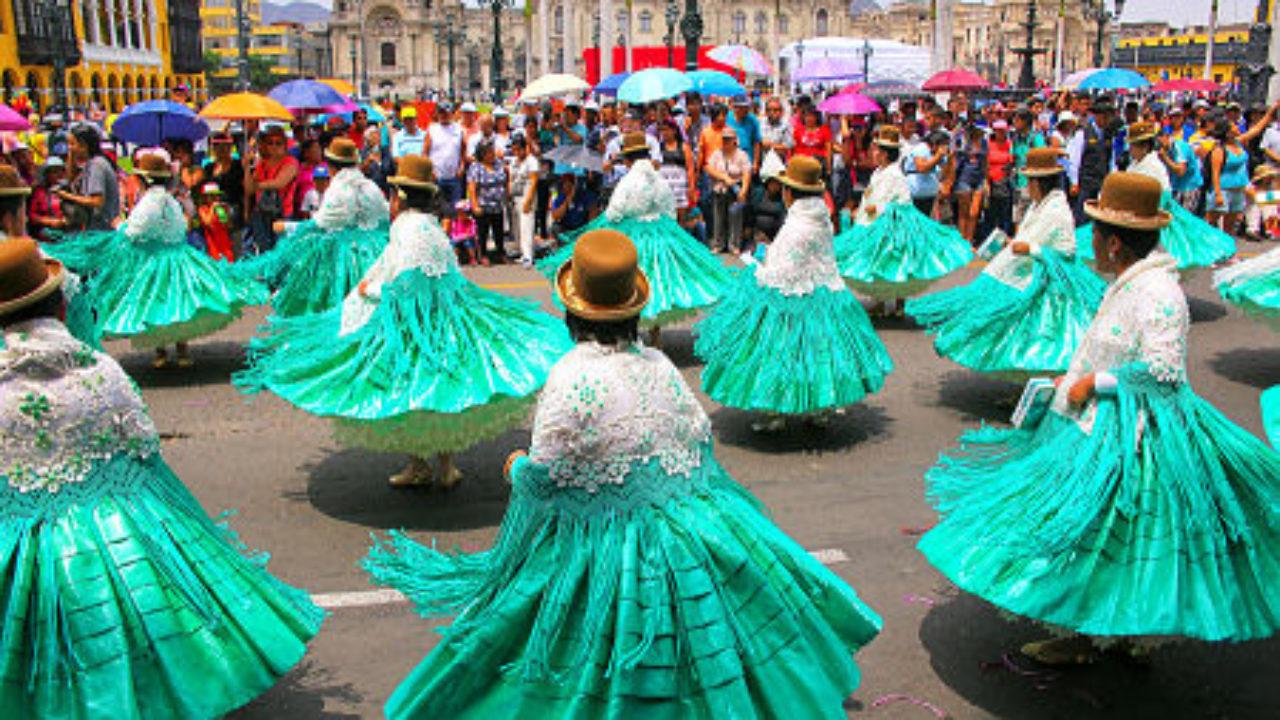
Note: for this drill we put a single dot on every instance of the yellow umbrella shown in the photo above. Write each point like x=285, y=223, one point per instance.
x=341, y=86
x=245, y=106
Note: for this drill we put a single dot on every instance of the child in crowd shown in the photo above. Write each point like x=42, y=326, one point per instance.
x=462, y=231
x=1262, y=215
x=214, y=222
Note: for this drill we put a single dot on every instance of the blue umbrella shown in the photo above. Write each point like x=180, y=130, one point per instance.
x=306, y=95
x=714, y=82
x=154, y=121
x=1114, y=79
x=653, y=85
x=610, y=85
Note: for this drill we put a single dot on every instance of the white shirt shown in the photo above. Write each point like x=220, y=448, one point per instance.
x=446, y=149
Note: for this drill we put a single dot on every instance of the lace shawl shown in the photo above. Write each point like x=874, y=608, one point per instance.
x=1048, y=224
x=417, y=243
x=1143, y=319
x=606, y=409
x=802, y=257
x=1152, y=166
x=352, y=200
x=64, y=408
x=642, y=194
x=157, y=218
x=888, y=185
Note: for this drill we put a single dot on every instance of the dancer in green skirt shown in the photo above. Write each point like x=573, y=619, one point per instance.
x=1133, y=510
x=122, y=599
x=417, y=359
x=632, y=578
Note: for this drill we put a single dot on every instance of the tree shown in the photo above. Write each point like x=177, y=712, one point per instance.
x=261, y=77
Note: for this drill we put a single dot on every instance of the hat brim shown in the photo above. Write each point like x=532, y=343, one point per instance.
x=635, y=150
x=888, y=144
x=574, y=303
x=1042, y=172
x=19, y=191
x=153, y=173
x=57, y=275
x=797, y=185
x=340, y=159
x=1126, y=220
x=402, y=181
x=1143, y=137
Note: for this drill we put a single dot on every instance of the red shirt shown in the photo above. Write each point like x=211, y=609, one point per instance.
x=999, y=159
x=356, y=135
x=261, y=172
x=813, y=142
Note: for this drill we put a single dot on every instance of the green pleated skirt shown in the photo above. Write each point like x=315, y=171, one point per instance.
x=1191, y=241
x=900, y=254
x=311, y=269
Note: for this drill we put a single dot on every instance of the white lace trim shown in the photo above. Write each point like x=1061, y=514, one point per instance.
x=417, y=243
x=352, y=200
x=606, y=409
x=642, y=194
x=1153, y=167
x=63, y=408
x=887, y=185
x=802, y=257
x=1264, y=264
x=156, y=218
x=1048, y=224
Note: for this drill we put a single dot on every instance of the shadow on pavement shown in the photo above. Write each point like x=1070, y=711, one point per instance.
x=215, y=362
x=351, y=485
x=301, y=693
x=973, y=649
x=1205, y=311
x=1259, y=367
x=978, y=397
x=677, y=344
x=858, y=424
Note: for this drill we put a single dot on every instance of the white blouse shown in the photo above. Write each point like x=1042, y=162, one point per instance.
x=888, y=185
x=641, y=194
x=1048, y=224
x=352, y=200
x=417, y=243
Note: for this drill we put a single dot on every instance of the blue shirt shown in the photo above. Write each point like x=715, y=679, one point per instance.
x=1191, y=179
x=748, y=133
x=922, y=184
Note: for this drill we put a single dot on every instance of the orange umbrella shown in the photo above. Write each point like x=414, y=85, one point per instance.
x=341, y=86
x=245, y=106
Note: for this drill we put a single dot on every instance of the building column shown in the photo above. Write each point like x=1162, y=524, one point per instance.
x=92, y=28
x=129, y=40
x=544, y=44
x=111, y=21
x=606, y=38
x=570, y=39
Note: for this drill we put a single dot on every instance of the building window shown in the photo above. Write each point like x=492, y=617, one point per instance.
x=388, y=52
x=762, y=23
x=739, y=22
x=559, y=19
x=624, y=20
x=784, y=25
x=821, y=23
x=646, y=22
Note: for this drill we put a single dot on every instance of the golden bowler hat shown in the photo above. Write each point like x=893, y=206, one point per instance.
x=803, y=173
x=1129, y=200
x=603, y=280
x=415, y=171
x=1043, y=162
x=26, y=277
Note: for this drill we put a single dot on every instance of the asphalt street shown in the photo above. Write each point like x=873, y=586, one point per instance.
x=854, y=491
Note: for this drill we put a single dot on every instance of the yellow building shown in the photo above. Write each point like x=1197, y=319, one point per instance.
x=115, y=52
x=1161, y=53
x=271, y=41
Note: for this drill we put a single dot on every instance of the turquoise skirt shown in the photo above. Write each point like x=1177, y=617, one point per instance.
x=665, y=598
x=312, y=270
x=1256, y=293
x=899, y=254
x=157, y=294
x=684, y=275
x=991, y=327
x=124, y=600
x=441, y=365
x=81, y=252
x=1191, y=241
x=791, y=354
x=1164, y=521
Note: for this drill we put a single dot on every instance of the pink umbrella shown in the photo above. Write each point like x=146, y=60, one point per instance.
x=853, y=88
x=847, y=103
x=954, y=81
x=12, y=121
x=1186, y=85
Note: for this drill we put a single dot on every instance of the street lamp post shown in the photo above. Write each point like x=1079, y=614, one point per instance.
x=495, y=60
x=866, y=60
x=242, y=47
x=672, y=17
x=799, y=60
x=691, y=28
x=354, y=80
x=447, y=34
x=60, y=12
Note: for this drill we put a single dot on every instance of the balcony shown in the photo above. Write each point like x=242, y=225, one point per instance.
x=46, y=32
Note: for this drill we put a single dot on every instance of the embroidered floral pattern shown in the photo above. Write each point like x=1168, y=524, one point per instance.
x=642, y=194
x=157, y=218
x=802, y=257
x=417, y=243
x=607, y=410
x=63, y=409
x=352, y=200
x=1048, y=224
x=887, y=185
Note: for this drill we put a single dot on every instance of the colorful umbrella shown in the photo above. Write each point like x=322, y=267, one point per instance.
x=12, y=121
x=1115, y=79
x=152, y=122
x=741, y=58
x=342, y=86
x=245, y=106
x=828, y=69
x=956, y=80
x=653, y=85
x=555, y=84
x=1186, y=85
x=306, y=96
x=714, y=82
x=610, y=85
x=849, y=104
x=1072, y=81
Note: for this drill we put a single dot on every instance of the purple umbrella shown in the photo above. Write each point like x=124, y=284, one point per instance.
x=847, y=103
x=828, y=69
x=12, y=120
x=306, y=96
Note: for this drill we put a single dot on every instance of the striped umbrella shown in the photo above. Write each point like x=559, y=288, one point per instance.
x=741, y=58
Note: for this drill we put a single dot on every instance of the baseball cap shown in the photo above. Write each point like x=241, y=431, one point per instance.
x=500, y=112
x=729, y=132
x=1067, y=116
x=320, y=172
x=468, y=107
x=591, y=106
x=742, y=101
x=408, y=111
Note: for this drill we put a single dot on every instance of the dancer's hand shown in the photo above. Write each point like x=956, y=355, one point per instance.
x=871, y=211
x=1021, y=248
x=1081, y=391
x=363, y=288
x=511, y=461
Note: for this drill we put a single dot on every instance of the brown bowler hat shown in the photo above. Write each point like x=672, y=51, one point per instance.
x=343, y=151
x=1129, y=200
x=635, y=143
x=603, y=280
x=11, y=183
x=415, y=171
x=1142, y=130
x=803, y=173
x=153, y=165
x=889, y=136
x=26, y=277
x=1042, y=162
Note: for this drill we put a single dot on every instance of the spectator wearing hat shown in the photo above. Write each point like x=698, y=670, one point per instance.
x=444, y=147
x=730, y=170
x=409, y=139
x=223, y=169
x=775, y=132
x=1093, y=154
x=45, y=207
x=470, y=122
x=1000, y=166
x=214, y=218
x=747, y=126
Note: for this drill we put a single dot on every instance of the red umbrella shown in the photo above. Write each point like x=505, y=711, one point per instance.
x=954, y=81
x=1186, y=85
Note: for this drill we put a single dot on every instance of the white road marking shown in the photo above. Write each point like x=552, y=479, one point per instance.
x=373, y=598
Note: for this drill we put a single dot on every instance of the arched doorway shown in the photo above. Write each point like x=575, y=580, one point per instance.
x=95, y=90
x=35, y=92
x=10, y=83
x=75, y=88
x=113, y=94
x=126, y=92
